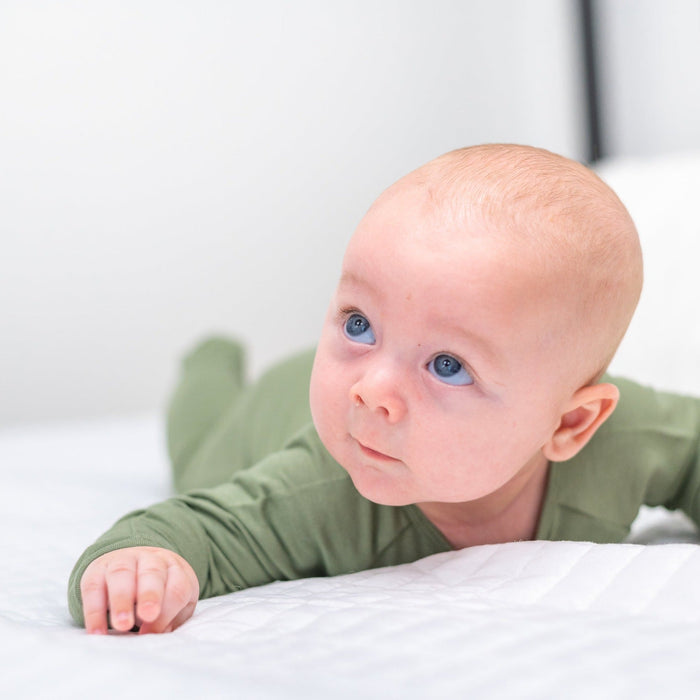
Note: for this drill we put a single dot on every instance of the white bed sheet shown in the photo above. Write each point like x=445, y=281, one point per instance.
x=525, y=620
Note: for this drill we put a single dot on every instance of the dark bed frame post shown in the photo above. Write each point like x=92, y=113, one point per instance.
x=589, y=44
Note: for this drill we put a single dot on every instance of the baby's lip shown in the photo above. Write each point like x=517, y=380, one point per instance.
x=375, y=454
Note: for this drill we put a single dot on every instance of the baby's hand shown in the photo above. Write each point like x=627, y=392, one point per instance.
x=151, y=587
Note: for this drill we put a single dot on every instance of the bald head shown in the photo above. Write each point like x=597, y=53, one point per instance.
x=559, y=217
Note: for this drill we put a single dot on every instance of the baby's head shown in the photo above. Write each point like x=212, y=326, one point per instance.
x=480, y=300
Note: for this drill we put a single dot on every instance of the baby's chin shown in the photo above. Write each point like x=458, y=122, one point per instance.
x=378, y=487
x=381, y=497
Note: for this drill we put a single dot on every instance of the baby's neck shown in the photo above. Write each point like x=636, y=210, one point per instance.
x=508, y=515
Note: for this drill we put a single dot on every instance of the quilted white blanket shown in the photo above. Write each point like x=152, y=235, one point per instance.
x=523, y=620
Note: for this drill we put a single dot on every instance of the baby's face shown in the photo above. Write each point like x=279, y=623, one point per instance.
x=433, y=380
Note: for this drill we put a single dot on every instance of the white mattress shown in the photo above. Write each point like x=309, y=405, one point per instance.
x=521, y=620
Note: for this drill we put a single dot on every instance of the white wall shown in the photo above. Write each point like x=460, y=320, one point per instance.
x=650, y=81
x=175, y=168
x=662, y=345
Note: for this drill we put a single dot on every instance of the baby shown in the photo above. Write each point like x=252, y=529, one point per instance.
x=459, y=375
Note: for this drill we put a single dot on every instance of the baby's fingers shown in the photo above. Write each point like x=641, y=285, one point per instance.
x=150, y=586
x=120, y=577
x=94, y=595
x=179, y=600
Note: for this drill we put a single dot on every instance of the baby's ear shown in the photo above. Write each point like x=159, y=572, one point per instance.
x=588, y=409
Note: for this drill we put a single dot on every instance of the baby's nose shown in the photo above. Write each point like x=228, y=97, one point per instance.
x=380, y=392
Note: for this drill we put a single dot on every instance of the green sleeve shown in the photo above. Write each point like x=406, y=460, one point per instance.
x=296, y=514
x=648, y=452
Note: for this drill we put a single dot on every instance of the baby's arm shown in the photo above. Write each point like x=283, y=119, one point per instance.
x=151, y=587
x=271, y=522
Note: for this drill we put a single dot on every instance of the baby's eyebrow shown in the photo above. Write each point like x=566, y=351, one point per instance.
x=348, y=277
x=487, y=349
x=352, y=279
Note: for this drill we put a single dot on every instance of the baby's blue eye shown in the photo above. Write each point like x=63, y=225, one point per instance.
x=358, y=330
x=449, y=370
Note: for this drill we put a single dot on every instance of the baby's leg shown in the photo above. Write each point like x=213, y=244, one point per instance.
x=212, y=378
x=217, y=426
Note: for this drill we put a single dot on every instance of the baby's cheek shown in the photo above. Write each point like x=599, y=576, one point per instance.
x=319, y=372
x=315, y=401
x=329, y=423
x=454, y=454
x=323, y=396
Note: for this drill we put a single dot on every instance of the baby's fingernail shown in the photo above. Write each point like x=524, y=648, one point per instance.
x=148, y=610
